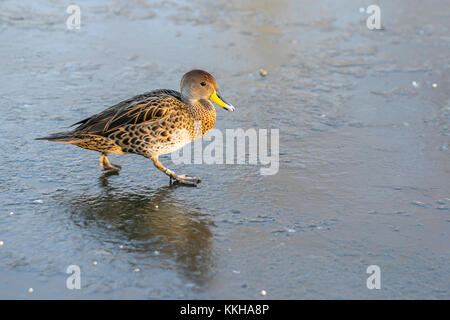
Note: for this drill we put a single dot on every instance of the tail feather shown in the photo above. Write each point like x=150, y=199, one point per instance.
x=59, y=137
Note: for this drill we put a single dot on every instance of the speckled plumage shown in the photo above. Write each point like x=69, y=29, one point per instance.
x=150, y=124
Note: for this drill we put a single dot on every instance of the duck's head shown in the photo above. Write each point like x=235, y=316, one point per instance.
x=199, y=85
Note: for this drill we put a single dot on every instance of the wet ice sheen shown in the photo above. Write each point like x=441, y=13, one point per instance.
x=364, y=170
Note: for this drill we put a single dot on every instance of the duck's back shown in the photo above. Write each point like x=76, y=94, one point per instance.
x=146, y=107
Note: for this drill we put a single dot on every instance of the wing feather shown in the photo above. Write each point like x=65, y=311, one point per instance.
x=147, y=107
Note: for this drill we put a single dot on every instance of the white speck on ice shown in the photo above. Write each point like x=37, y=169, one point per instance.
x=38, y=201
x=415, y=84
x=30, y=290
x=263, y=292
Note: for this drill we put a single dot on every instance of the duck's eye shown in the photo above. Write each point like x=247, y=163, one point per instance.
x=203, y=84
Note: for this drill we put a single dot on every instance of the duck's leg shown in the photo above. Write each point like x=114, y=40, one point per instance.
x=182, y=179
x=105, y=165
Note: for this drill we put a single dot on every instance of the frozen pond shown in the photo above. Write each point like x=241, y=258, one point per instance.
x=364, y=175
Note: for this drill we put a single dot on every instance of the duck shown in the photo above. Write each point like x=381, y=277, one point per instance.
x=151, y=124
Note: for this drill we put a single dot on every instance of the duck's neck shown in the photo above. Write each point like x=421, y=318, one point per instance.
x=203, y=110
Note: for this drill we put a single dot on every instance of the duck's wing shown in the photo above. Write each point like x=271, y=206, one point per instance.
x=147, y=107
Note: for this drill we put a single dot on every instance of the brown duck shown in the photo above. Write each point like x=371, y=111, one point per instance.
x=151, y=124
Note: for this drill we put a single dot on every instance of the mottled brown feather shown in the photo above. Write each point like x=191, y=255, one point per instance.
x=129, y=111
x=147, y=124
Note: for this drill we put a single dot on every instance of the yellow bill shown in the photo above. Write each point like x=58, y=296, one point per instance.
x=217, y=99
